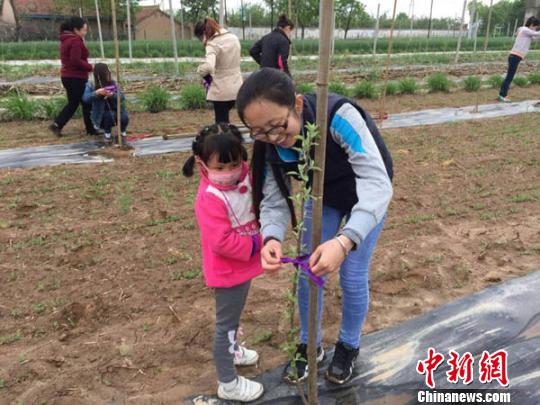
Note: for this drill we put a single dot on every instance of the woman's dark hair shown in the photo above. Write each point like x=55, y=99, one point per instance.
x=223, y=139
x=102, y=75
x=532, y=21
x=266, y=84
x=277, y=87
x=284, y=22
x=209, y=27
x=72, y=24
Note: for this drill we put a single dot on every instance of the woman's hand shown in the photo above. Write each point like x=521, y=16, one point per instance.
x=271, y=255
x=327, y=258
x=103, y=93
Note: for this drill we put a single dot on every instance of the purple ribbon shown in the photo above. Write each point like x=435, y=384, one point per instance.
x=207, y=81
x=112, y=88
x=303, y=263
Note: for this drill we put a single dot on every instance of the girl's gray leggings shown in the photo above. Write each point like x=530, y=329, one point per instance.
x=229, y=306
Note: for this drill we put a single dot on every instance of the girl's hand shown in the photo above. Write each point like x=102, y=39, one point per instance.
x=271, y=255
x=327, y=258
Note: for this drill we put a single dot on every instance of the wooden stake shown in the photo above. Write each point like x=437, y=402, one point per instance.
x=376, y=33
x=117, y=56
x=325, y=27
x=382, y=113
x=99, y=31
x=128, y=7
x=173, y=36
x=486, y=39
x=456, y=59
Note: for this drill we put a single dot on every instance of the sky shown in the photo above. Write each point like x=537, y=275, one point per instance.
x=441, y=8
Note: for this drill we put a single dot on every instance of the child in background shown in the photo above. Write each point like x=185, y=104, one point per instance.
x=102, y=96
x=231, y=244
x=525, y=35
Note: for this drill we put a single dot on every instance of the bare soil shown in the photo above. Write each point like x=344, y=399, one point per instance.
x=32, y=133
x=102, y=295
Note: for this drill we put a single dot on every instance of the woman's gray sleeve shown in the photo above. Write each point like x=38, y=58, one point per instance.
x=275, y=214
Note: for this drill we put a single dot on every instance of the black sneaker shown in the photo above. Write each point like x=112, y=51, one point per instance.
x=297, y=369
x=55, y=129
x=341, y=368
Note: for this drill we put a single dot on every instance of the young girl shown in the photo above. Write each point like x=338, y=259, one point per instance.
x=525, y=35
x=231, y=245
x=357, y=188
x=102, y=96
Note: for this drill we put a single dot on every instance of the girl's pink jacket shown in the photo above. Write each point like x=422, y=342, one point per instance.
x=230, y=237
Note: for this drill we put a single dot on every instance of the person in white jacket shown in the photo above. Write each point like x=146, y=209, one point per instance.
x=221, y=70
x=525, y=35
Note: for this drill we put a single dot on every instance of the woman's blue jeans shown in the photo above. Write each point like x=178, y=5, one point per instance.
x=353, y=277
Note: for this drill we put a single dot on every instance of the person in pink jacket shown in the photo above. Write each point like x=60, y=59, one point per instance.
x=231, y=244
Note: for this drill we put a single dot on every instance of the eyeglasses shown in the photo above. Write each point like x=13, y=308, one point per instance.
x=274, y=130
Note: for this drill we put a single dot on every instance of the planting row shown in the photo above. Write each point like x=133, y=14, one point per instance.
x=20, y=106
x=157, y=49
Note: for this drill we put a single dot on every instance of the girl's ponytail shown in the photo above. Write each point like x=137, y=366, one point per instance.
x=187, y=169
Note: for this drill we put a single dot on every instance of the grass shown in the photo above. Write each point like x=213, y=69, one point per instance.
x=521, y=81
x=20, y=106
x=521, y=198
x=263, y=336
x=534, y=78
x=392, y=88
x=193, y=97
x=141, y=48
x=185, y=275
x=472, y=83
x=407, y=86
x=303, y=88
x=495, y=81
x=155, y=99
x=10, y=338
x=338, y=88
x=439, y=82
x=365, y=89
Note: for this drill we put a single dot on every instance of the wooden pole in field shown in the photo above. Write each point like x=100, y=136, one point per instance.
x=173, y=36
x=181, y=21
x=430, y=19
x=99, y=31
x=325, y=26
x=486, y=39
x=128, y=8
x=382, y=113
x=376, y=33
x=456, y=59
x=117, y=56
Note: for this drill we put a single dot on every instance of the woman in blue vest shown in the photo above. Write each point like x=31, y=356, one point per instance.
x=357, y=188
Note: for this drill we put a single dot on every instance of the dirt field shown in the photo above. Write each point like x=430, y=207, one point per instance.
x=18, y=134
x=103, y=301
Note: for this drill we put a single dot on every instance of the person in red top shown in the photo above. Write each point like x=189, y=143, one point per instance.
x=74, y=73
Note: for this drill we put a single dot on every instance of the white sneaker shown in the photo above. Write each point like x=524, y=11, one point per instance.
x=245, y=357
x=245, y=390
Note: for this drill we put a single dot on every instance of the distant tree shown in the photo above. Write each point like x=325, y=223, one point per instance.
x=195, y=10
x=350, y=14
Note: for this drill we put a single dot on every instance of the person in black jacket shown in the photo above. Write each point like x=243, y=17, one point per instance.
x=272, y=50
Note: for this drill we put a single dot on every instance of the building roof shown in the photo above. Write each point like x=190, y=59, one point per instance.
x=146, y=12
x=33, y=6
